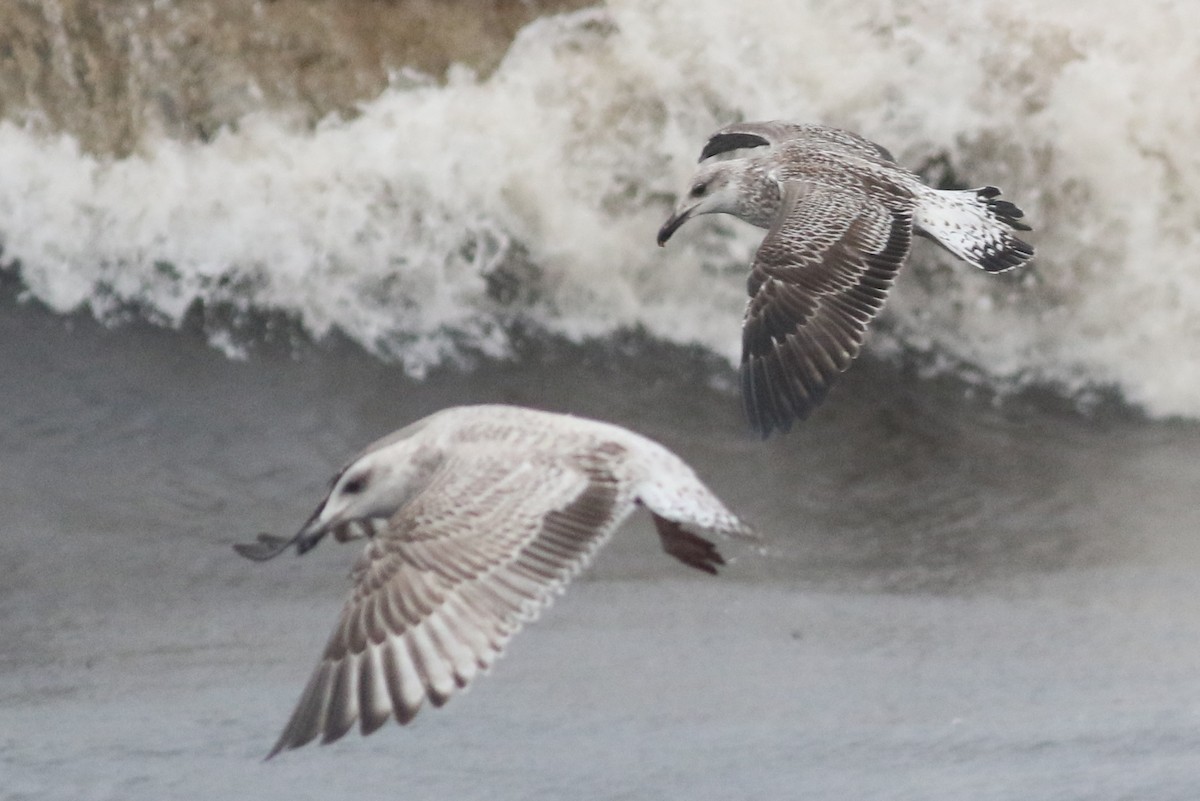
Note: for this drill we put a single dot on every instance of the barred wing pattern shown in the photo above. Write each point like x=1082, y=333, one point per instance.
x=459, y=569
x=821, y=274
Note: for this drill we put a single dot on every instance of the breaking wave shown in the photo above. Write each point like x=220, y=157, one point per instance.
x=442, y=211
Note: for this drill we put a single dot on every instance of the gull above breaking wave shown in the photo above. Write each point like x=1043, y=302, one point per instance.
x=475, y=517
x=840, y=215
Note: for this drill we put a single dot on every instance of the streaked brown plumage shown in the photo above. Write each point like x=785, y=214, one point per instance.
x=840, y=215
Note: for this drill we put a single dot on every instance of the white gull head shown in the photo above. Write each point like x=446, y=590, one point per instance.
x=376, y=483
x=725, y=187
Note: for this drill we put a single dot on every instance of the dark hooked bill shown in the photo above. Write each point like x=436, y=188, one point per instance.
x=671, y=226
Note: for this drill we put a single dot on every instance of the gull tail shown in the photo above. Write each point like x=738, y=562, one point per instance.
x=975, y=225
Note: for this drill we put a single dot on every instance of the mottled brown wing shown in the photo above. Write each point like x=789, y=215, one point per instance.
x=437, y=595
x=821, y=274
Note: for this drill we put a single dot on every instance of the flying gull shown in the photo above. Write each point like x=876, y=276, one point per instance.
x=840, y=215
x=475, y=518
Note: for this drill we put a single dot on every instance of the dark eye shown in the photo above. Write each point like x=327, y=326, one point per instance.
x=698, y=190
x=355, y=485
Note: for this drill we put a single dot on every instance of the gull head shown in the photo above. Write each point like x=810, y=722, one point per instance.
x=375, y=484
x=717, y=188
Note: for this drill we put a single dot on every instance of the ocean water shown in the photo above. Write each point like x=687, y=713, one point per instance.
x=982, y=550
x=958, y=599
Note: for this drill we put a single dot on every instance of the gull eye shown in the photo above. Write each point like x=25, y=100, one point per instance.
x=355, y=485
x=698, y=190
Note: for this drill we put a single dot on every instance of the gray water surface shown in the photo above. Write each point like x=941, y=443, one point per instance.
x=961, y=600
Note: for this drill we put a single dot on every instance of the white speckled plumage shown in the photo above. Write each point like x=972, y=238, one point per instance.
x=475, y=518
x=840, y=215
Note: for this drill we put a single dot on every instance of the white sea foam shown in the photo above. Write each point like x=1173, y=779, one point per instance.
x=392, y=225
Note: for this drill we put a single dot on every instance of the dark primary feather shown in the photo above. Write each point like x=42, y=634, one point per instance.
x=723, y=142
x=776, y=132
x=691, y=549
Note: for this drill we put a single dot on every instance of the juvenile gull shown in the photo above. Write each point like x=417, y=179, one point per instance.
x=475, y=517
x=840, y=215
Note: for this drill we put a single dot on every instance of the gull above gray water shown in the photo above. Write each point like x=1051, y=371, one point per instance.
x=840, y=215
x=475, y=517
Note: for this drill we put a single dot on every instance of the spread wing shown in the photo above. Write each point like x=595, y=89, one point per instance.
x=821, y=274
x=458, y=570
x=775, y=132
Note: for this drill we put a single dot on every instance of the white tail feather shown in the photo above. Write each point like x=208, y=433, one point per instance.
x=974, y=225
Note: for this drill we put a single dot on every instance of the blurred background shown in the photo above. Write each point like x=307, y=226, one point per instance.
x=240, y=240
